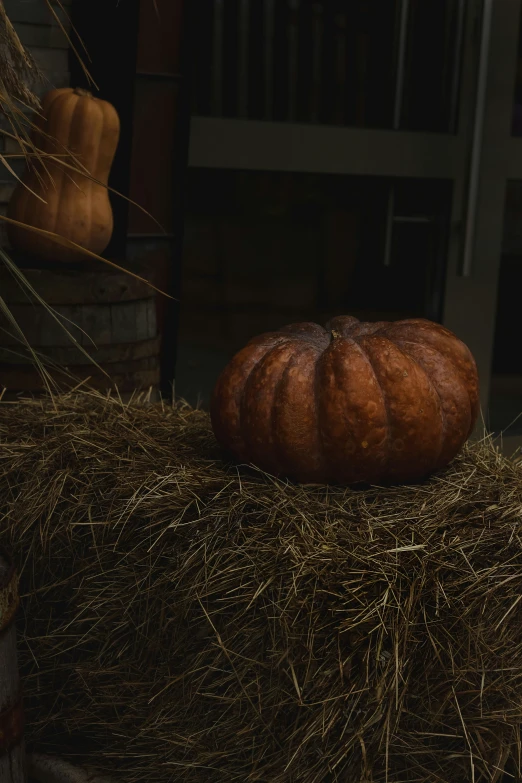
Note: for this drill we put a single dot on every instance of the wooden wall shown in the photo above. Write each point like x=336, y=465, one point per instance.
x=159, y=158
x=137, y=54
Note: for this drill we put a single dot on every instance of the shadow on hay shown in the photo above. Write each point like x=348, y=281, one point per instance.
x=189, y=620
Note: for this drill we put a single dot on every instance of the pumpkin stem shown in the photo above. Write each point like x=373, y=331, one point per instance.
x=81, y=92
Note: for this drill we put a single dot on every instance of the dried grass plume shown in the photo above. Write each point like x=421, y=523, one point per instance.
x=18, y=70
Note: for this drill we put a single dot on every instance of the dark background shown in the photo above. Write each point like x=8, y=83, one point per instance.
x=245, y=252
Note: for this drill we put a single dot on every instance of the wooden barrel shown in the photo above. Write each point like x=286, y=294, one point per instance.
x=12, y=746
x=109, y=313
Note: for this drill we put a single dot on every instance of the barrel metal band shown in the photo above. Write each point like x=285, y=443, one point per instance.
x=11, y=727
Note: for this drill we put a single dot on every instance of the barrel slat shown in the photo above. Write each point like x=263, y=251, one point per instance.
x=12, y=747
x=96, y=323
x=125, y=321
x=153, y=324
x=142, y=324
x=46, y=330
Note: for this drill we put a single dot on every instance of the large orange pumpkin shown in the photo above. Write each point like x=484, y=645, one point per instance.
x=75, y=207
x=352, y=402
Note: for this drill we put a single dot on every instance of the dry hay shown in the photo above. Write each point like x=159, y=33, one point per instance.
x=184, y=620
x=18, y=69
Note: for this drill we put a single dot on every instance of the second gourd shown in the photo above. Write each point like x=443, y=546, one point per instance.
x=71, y=204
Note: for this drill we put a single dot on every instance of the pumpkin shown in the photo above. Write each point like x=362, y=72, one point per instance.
x=352, y=402
x=73, y=206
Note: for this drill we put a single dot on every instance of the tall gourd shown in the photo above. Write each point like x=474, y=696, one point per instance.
x=73, y=206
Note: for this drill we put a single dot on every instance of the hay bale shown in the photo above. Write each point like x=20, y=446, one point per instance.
x=188, y=620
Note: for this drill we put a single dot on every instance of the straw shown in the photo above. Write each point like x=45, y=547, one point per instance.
x=185, y=619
